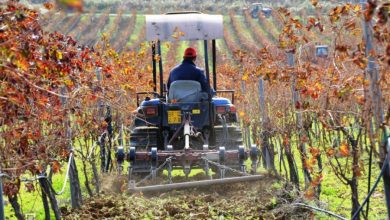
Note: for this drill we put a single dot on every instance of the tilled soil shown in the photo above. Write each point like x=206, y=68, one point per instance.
x=252, y=200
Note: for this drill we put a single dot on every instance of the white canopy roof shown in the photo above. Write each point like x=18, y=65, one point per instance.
x=173, y=27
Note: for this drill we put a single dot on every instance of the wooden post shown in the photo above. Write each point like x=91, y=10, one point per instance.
x=75, y=190
x=2, y=217
x=372, y=70
x=266, y=154
x=301, y=147
x=102, y=138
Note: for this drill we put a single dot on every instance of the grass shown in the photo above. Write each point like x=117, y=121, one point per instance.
x=31, y=202
x=139, y=24
x=108, y=25
x=336, y=197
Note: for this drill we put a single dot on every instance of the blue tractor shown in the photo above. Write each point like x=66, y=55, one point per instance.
x=185, y=128
x=322, y=51
x=258, y=7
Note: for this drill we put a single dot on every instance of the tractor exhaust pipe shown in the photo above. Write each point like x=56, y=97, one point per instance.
x=173, y=186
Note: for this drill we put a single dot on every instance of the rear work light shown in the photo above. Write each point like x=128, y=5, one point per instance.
x=233, y=109
x=150, y=111
x=225, y=109
x=221, y=109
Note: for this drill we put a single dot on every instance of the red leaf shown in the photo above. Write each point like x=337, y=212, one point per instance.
x=56, y=166
x=29, y=187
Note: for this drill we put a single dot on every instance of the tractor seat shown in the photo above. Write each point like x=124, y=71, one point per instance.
x=185, y=91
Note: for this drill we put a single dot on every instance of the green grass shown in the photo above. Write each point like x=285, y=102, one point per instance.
x=108, y=25
x=31, y=202
x=139, y=25
x=247, y=34
x=336, y=196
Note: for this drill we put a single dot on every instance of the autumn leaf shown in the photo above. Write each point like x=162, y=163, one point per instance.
x=279, y=114
x=316, y=180
x=157, y=58
x=344, y=150
x=304, y=38
x=45, y=116
x=55, y=166
x=314, y=2
x=298, y=105
x=296, y=23
x=342, y=48
x=370, y=9
x=384, y=14
x=360, y=99
x=286, y=140
x=39, y=168
x=315, y=95
x=181, y=33
x=29, y=187
x=309, y=193
x=70, y=4
x=283, y=44
x=360, y=61
x=330, y=152
x=104, y=125
x=124, y=186
x=151, y=84
x=311, y=23
x=357, y=171
x=68, y=82
x=284, y=11
x=307, y=164
x=175, y=36
x=350, y=25
x=313, y=161
x=48, y=5
x=346, y=9
x=315, y=152
x=357, y=8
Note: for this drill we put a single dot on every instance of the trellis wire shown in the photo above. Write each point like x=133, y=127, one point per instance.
x=320, y=210
x=385, y=165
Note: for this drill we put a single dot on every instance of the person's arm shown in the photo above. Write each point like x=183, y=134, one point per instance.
x=203, y=82
x=169, y=82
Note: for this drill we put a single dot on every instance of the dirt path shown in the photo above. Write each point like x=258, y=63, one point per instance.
x=255, y=200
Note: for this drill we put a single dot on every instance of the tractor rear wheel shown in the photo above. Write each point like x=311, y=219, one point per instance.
x=229, y=137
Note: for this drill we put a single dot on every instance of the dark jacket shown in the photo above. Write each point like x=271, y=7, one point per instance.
x=187, y=70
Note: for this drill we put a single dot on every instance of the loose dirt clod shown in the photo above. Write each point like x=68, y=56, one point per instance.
x=254, y=200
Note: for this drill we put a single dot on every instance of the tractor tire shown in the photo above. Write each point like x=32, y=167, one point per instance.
x=145, y=138
x=230, y=138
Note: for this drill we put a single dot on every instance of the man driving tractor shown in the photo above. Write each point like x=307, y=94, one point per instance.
x=188, y=70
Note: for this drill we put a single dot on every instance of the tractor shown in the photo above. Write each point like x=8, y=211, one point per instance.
x=256, y=7
x=185, y=128
x=322, y=51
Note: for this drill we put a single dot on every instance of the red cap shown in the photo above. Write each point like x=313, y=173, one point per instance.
x=190, y=52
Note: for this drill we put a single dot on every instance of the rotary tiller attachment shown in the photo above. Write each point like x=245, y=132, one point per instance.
x=221, y=161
